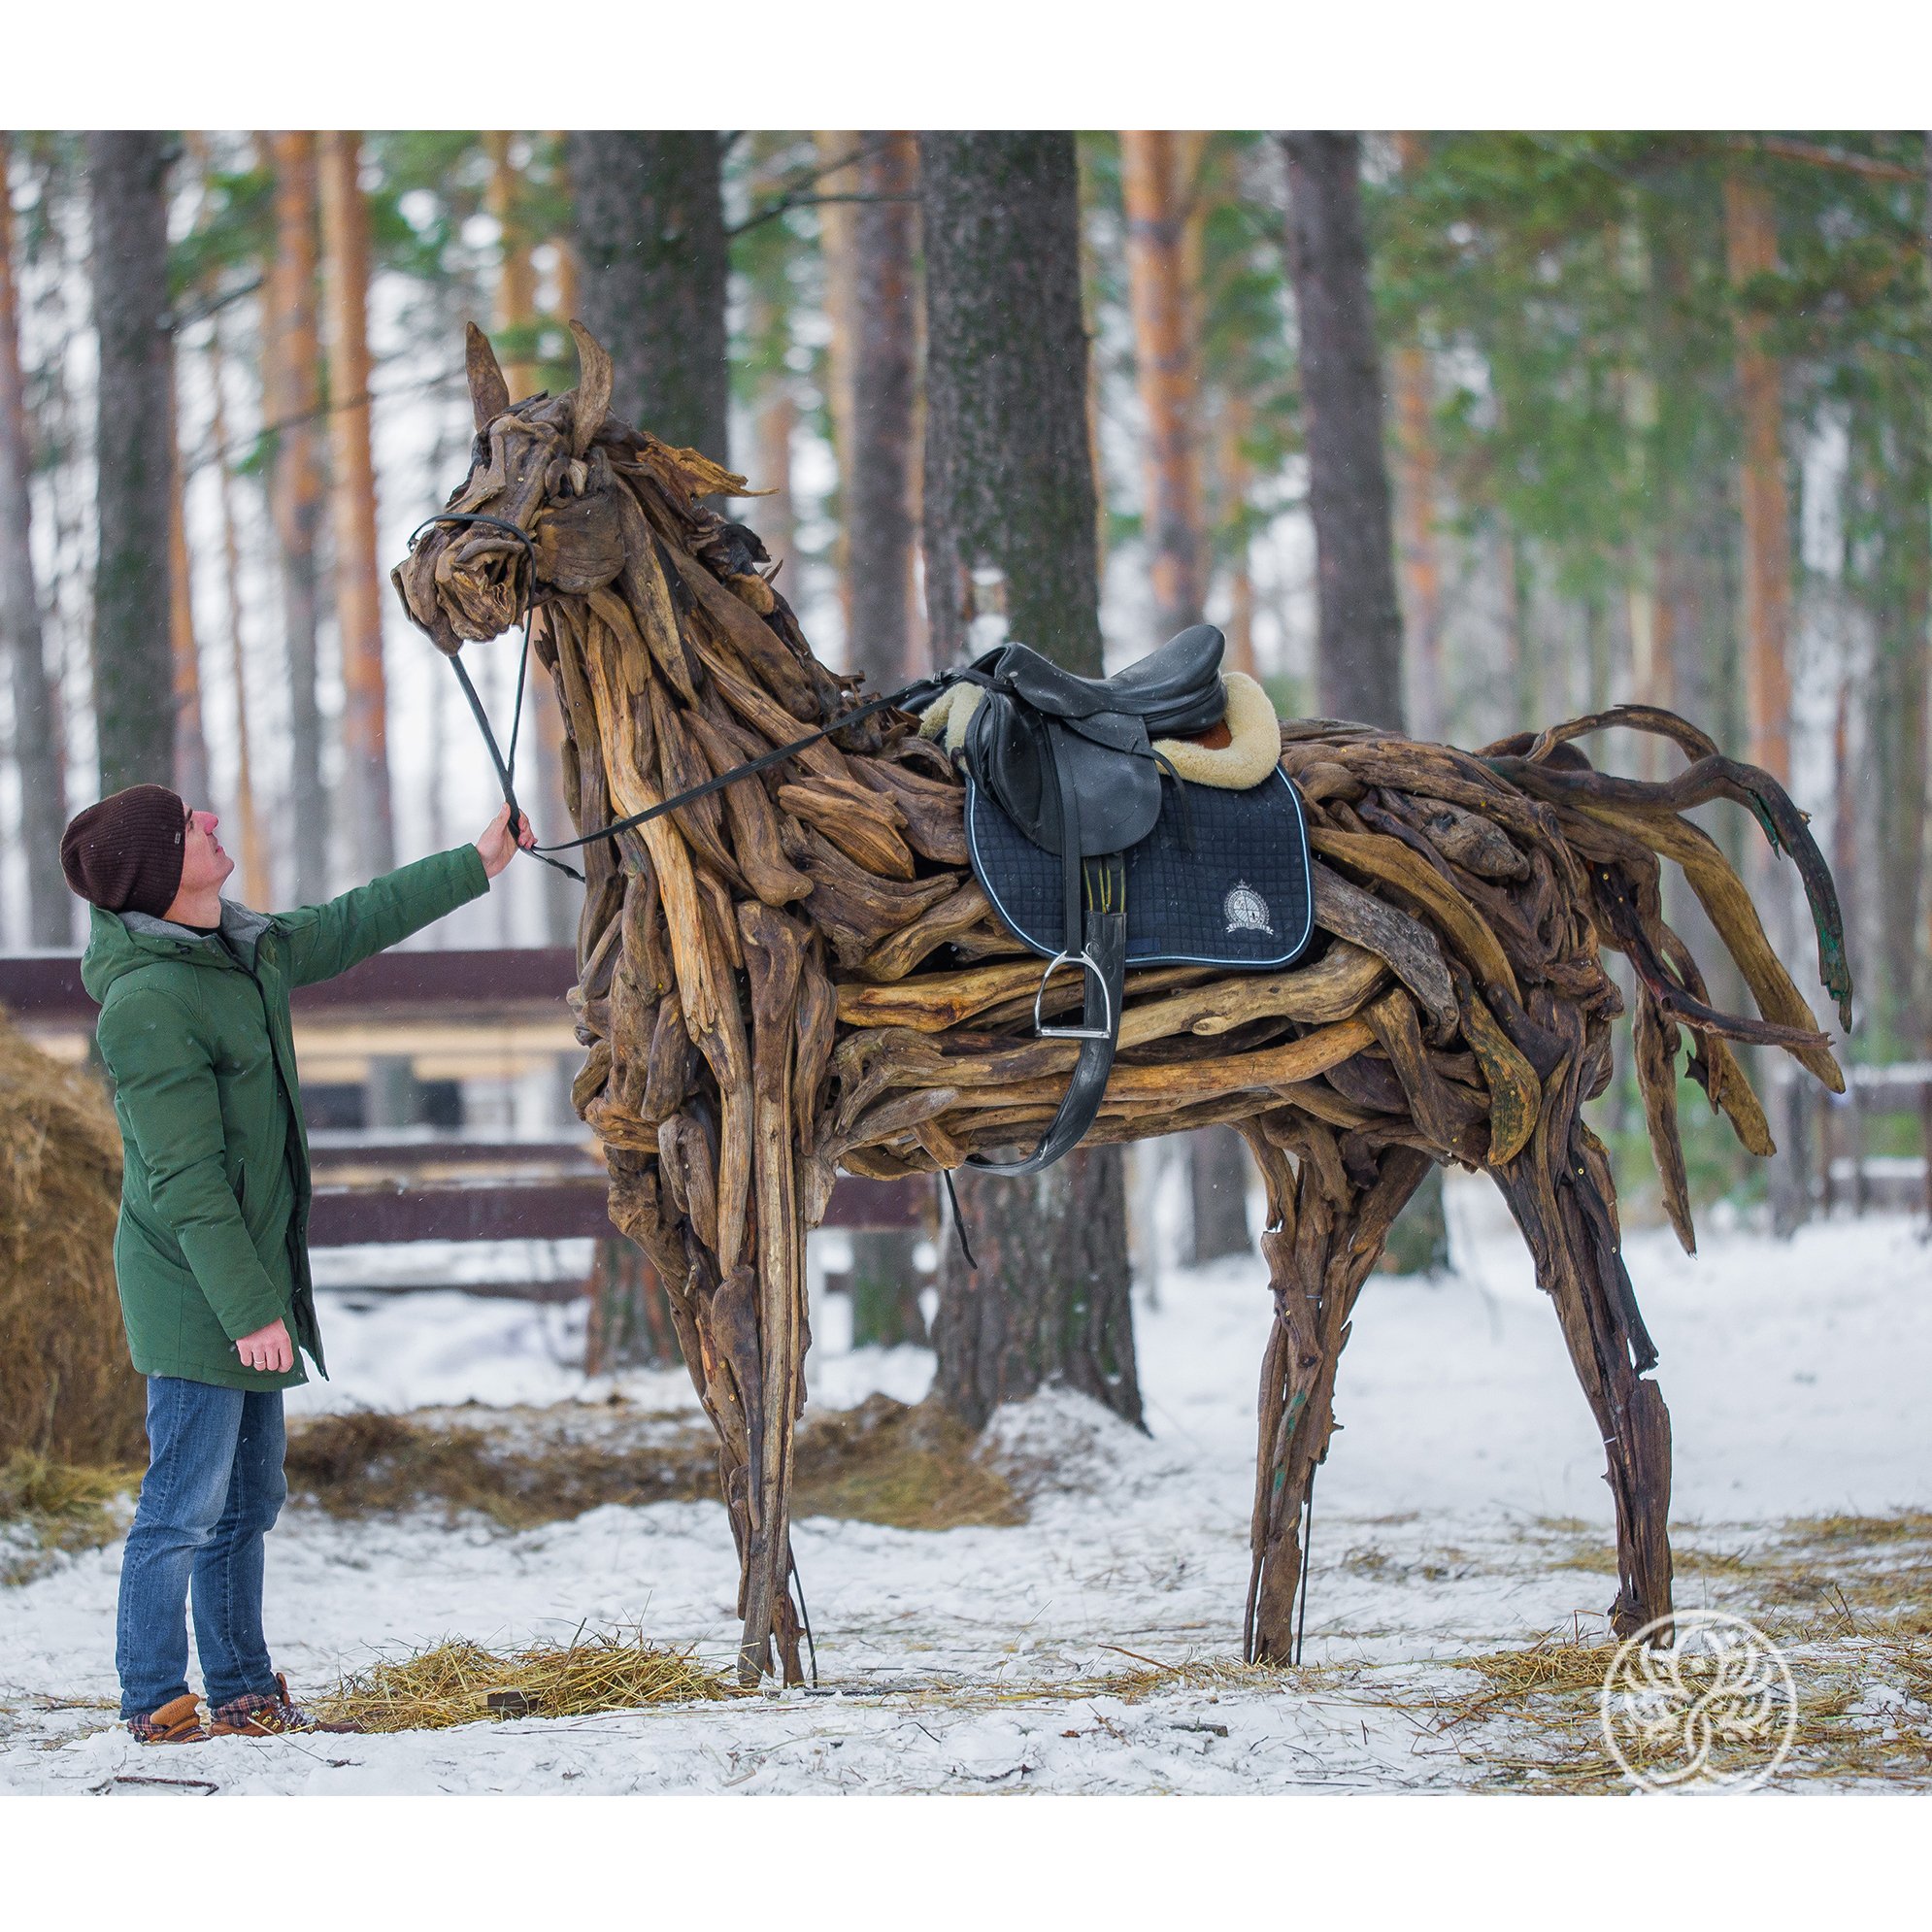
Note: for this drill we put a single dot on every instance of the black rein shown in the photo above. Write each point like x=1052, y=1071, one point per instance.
x=506, y=766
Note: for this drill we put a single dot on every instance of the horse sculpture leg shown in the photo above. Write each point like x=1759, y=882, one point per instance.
x=773, y=949
x=1560, y=1190
x=1328, y=1221
x=719, y=1331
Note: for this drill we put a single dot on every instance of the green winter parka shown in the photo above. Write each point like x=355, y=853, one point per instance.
x=213, y=1239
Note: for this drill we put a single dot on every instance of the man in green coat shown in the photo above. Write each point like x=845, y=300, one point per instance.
x=211, y=1252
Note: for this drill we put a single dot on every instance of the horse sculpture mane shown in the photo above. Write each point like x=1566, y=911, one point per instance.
x=798, y=975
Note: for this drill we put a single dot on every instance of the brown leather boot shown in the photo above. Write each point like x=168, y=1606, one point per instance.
x=258, y=1713
x=177, y=1723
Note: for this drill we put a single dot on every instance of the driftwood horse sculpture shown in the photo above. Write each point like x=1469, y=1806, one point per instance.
x=798, y=974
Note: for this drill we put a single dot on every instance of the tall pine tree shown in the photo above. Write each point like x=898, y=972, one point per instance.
x=1358, y=653
x=36, y=733
x=134, y=704
x=649, y=227
x=1009, y=524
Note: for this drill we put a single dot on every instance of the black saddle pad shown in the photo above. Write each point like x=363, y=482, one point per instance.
x=1240, y=897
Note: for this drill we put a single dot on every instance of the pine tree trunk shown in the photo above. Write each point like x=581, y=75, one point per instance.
x=255, y=888
x=1166, y=372
x=1008, y=483
x=1162, y=180
x=1923, y=985
x=1235, y=476
x=1049, y=1303
x=830, y=147
x=879, y=484
x=1416, y=506
x=1751, y=247
x=1750, y=238
x=648, y=224
x=358, y=575
x=191, y=743
x=1217, y=1175
x=570, y=274
x=37, y=749
x=133, y=670
x=1358, y=648
x=1160, y=177
x=1358, y=644
x=516, y=276
x=1897, y=738
x=540, y=792
x=768, y=304
x=775, y=517
x=629, y=1325
x=1009, y=494
x=291, y=398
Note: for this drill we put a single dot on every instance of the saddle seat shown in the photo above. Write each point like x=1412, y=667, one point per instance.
x=1175, y=690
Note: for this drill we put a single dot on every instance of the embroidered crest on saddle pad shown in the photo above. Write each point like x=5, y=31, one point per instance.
x=1245, y=910
x=1182, y=908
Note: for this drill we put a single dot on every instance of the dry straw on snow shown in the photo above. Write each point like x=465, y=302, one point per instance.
x=454, y=1682
x=67, y=1391
x=46, y=1508
x=883, y=1462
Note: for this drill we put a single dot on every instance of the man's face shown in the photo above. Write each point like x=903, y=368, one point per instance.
x=203, y=861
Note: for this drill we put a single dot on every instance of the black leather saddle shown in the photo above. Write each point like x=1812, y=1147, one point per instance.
x=1066, y=794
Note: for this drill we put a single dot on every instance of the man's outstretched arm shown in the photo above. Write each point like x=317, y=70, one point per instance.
x=329, y=939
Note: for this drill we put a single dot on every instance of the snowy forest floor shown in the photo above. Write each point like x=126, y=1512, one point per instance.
x=1091, y=1646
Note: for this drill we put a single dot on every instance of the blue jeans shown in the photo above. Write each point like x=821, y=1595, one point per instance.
x=213, y=1490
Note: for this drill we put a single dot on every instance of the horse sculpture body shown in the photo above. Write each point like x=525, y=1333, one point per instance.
x=798, y=975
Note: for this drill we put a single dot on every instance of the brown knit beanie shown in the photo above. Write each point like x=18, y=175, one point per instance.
x=125, y=854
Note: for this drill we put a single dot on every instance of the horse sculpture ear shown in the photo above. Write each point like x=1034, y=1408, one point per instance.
x=490, y=393
x=593, y=389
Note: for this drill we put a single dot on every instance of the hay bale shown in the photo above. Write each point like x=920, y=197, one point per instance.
x=67, y=1389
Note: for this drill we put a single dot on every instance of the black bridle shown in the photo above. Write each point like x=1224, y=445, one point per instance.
x=913, y=696
x=506, y=765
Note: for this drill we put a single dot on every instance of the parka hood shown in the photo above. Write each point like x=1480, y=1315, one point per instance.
x=118, y=943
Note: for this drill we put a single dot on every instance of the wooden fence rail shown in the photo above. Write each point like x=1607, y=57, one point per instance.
x=1849, y=1174
x=380, y=1187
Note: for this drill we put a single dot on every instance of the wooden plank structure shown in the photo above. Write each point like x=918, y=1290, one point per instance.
x=453, y=1014
x=1849, y=1175
x=798, y=976
x=453, y=1006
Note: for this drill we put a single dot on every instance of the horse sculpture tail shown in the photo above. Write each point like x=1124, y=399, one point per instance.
x=1621, y=831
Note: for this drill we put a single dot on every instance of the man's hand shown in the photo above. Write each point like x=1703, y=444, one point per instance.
x=268, y=1349
x=496, y=847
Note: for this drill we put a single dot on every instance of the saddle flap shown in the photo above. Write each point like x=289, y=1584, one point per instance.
x=1021, y=757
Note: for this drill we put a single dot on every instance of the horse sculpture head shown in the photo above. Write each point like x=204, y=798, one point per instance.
x=542, y=512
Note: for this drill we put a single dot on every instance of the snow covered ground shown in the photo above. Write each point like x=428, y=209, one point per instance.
x=979, y=1659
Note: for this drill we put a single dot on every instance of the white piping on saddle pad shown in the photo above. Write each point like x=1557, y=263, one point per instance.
x=1255, y=732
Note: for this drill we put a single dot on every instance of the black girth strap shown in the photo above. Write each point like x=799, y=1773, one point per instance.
x=1101, y=953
